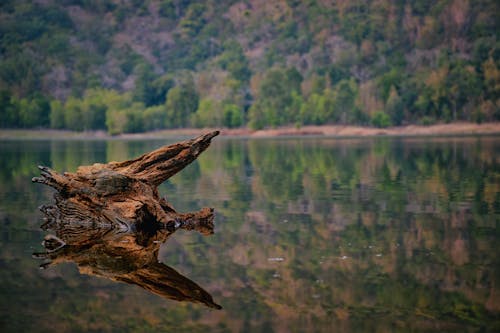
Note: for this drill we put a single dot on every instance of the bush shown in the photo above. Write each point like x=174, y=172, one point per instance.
x=427, y=121
x=233, y=116
x=381, y=120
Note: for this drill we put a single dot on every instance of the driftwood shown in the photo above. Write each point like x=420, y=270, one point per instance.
x=110, y=220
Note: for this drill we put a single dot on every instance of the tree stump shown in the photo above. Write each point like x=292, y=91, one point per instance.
x=110, y=220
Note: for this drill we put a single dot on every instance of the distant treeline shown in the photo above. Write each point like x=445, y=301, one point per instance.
x=146, y=65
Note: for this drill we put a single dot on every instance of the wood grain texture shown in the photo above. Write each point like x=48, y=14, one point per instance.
x=110, y=220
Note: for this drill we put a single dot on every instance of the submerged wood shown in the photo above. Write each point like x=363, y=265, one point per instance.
x=111, y=221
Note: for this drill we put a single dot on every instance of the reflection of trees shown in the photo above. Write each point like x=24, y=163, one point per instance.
x=416, y=220
x=409, y=218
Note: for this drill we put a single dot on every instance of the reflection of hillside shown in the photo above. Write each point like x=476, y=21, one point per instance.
x=409, y=226
x=386, y=235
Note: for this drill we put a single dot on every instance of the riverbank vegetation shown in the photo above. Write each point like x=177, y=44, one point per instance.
x=148, y=65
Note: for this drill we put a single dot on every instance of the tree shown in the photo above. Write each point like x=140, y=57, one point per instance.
x=134, y=118
x=182, y=102
x=73, y=116
x=235, y=62
x=154, y=117
x=160, y=87
x=143, y=90
x=320, y=108
x=273, y=105
x=150, y=89
x=94, y=110
x=233, y=116
x=167, y=9
x=34, y=112
x=257, y=118
x=381, y=119
x=56, y=114
x=193, y=21
x=345, y=93
x=491, y=73
x=208, y=114
x=394, y=107
x=9, y=111
x=463, y=88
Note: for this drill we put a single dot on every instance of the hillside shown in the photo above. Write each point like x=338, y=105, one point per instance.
x=142, y=65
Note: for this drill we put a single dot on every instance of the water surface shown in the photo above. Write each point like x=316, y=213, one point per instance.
x=312, y=235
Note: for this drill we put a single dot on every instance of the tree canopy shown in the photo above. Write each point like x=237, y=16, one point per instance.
x=362, y=62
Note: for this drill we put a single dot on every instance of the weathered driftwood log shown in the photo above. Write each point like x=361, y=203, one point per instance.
x=110, y=220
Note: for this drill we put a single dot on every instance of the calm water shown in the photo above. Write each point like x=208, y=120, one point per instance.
x=312, y=235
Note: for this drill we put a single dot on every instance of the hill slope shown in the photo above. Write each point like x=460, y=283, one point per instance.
x=141, y=65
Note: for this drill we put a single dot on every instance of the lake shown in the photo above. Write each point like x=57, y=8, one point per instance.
x=311, y=235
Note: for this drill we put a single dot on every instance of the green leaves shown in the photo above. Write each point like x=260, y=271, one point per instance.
x=284, y=63
x=274, y=104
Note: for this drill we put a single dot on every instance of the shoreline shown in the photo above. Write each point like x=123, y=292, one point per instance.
x=331, y=131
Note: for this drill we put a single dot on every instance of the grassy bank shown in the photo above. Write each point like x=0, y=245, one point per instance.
x=458, y=129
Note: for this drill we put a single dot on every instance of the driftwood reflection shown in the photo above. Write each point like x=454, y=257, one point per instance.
x=110, y=220
x=126, y=255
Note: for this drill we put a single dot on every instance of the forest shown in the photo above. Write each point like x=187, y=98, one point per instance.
x=134, y=66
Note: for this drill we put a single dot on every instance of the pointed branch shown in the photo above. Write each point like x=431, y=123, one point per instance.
x=159, y=165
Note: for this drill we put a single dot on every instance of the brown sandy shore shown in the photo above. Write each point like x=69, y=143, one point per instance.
x=454, y=129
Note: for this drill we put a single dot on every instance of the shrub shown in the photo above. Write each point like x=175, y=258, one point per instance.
x=381, y=120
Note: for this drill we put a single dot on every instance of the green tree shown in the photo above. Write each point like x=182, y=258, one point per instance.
x=464, y=88
x=233, y=116
x=57, y=114
x=167, y=9
x=344, y=95
x=313, y=110
x=34, y=112
x=73, y=116
x=150, y=89
x=160, y=87
x=193, y=21
x=154, y=117
x=381, y=119
x=257, y=117
x=94, y=110
x=119, y=106
x=394, y=107
x=144, y=91
x=234, y=61
x=9, y=111
x=134, y=118
x=208, y=114
x=182, y=102
x=273, y=106
x=21, y=73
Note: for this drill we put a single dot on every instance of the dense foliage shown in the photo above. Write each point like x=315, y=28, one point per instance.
x=143, y=65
